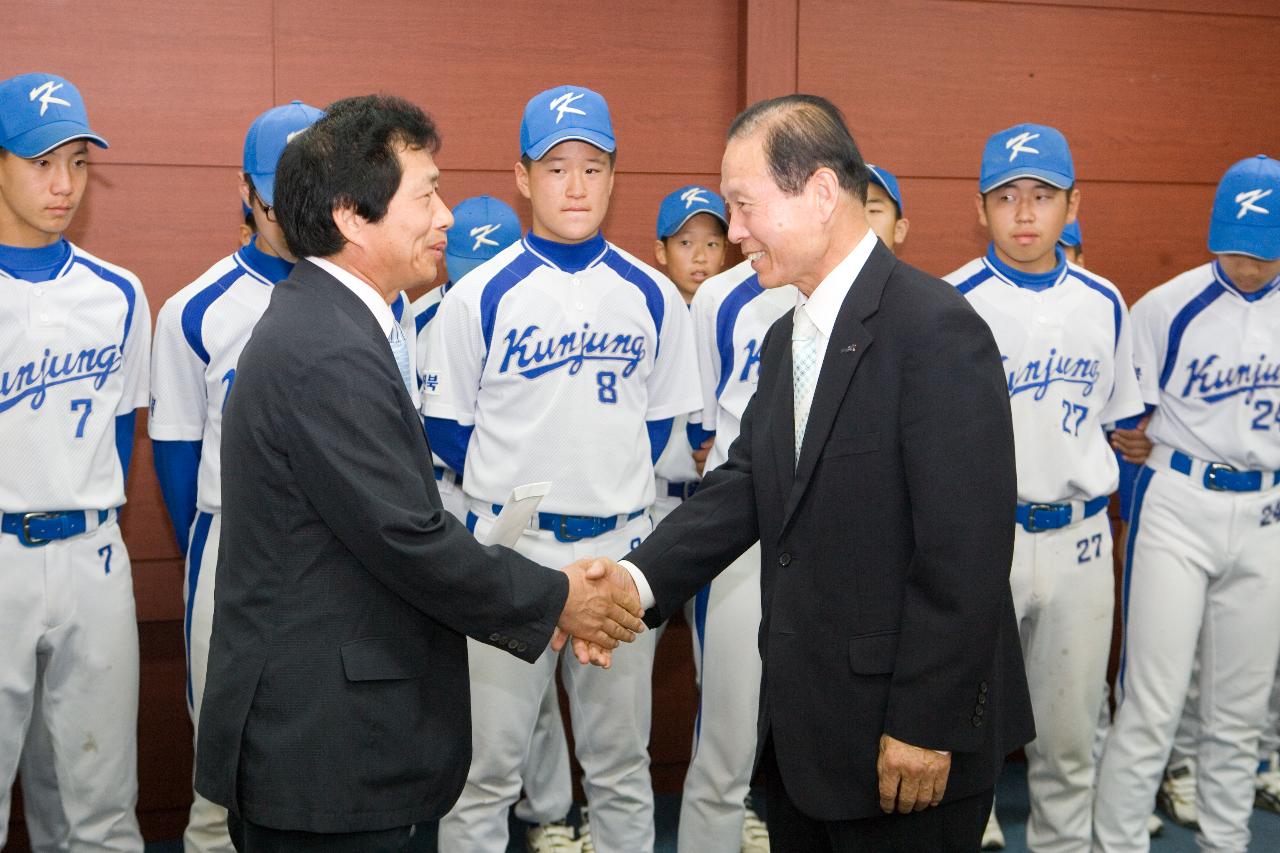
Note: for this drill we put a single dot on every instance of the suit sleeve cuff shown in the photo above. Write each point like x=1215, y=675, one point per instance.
x=642, y=586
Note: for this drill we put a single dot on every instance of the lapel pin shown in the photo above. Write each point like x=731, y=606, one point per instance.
x=850, y=348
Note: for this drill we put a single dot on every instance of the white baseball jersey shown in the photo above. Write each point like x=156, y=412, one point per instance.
x=1209, y=360
x=73, y=356
x=731, y=313
x=424, y=312
x=200, y=333
x=558, y=373
x=1068, y=356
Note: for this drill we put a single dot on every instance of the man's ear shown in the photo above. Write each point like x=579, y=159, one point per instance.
x=900, y=229
x=980, y=201
x=349, y=223
x=522, y=179
x=825, y=187
x=660, y=251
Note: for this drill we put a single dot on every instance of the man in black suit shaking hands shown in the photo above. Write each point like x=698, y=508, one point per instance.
x=875, y=465
x=336, y=711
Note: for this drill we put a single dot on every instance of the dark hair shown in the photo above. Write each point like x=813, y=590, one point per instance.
x=803, y=133
x=347, y=159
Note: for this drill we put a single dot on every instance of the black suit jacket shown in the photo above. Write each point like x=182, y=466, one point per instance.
x=886, y=551
x=337, y=697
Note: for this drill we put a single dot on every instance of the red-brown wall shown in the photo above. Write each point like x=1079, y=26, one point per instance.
x=1156, y=97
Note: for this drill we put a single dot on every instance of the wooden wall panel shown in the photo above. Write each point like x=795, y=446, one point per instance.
x=1142, y=96
x=164, y=82
x=1255, y=8
x=668, y=69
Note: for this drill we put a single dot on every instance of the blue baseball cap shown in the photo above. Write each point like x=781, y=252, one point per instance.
x=1246, y=210
x=266, y=139
x=565, y=112
x=1027, y=151
x=884, y=179
x=1071, y=234
x=39, y=112
x=482, y=227
x=684, y=204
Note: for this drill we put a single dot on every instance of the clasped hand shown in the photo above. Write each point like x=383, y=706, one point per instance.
x=602, y=610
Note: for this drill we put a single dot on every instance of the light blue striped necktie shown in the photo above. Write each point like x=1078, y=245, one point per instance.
x=400, y=349
x=804, y=371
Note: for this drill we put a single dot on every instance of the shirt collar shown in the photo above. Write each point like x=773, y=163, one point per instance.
x=823, y=306
x=364, y=292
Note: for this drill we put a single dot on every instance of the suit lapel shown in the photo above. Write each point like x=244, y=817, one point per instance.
x=850, y=339
x=782, y=407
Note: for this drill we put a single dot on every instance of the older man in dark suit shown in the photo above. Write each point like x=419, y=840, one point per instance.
x=875, y=466
x=336, y=712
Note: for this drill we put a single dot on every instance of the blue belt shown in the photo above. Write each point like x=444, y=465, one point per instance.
x=1223, y=478
x=684, y=491
x=1036, y=518
x=449, y=474
x=571, y=528
x=34, y=529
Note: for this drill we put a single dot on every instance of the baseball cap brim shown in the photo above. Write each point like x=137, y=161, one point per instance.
x=539, y=149
x=264, y=184
x=1052, y=178
x=672, y=229
x=459, y=266
x=41, y=140
x=1232, y=239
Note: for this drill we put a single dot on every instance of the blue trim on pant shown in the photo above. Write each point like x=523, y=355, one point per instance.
x=700, y=603
x=195, y=555
x=1135, y=515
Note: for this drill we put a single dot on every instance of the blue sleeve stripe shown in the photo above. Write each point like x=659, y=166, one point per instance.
x=696, y=434
x=195, y=557
x=424, y=317
x=652, y=293
x=1183, y=319
x=973, y=281
x=659, y=436
x=726, y=319
x=1093, y=284
x=126, y=287
x=496, y=288
x=193, y=312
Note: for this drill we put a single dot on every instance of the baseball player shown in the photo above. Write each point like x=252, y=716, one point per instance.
x=566, y=359
x=482, y=227
x=1066, y=342
x=73, y=370
x=690, y=249
x=1200, y=579
x=884, y=208
x=200, y=332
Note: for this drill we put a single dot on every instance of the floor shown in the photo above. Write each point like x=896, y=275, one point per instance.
x=1012, y=807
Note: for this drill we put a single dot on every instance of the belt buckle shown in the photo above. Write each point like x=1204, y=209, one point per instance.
x=25, y=538
x=563, y=533
x=1031, y=517
x=1211, y=472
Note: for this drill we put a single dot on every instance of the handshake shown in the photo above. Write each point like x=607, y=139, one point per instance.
x=602, y=610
